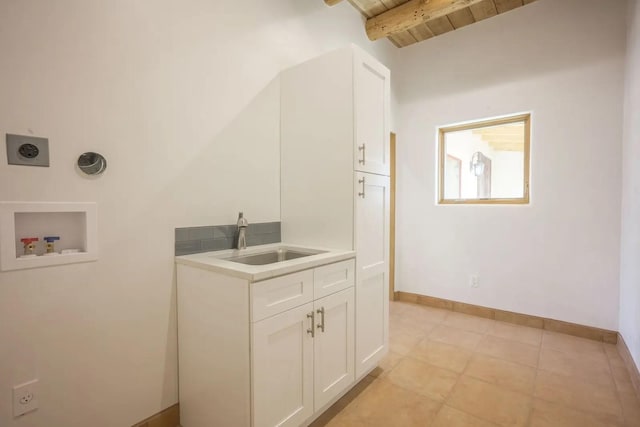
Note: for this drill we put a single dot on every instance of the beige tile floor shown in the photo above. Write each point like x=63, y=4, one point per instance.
x=448, y=369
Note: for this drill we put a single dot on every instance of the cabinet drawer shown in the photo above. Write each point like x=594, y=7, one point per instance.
x=273, y=296
x=333, y=278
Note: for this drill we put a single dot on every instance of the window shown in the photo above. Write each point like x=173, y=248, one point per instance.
x=485, y=162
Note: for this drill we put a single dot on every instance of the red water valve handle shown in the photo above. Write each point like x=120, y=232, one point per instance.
x=28, y=240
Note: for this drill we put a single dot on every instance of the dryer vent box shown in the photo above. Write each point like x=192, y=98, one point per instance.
x=27, y=150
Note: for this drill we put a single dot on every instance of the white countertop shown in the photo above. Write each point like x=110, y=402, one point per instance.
x=214, y=261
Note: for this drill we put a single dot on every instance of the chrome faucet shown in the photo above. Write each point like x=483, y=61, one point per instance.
x=242, y=232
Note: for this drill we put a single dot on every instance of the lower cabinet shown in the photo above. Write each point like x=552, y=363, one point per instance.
x=333, y=347
x=283, y=368
x=266, y=353
x=302, y=359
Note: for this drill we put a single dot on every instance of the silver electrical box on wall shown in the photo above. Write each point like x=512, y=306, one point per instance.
x=27, y=150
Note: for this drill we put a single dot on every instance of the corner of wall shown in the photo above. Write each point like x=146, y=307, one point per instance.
x=629, y=316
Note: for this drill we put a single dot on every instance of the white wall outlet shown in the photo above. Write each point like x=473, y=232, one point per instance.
x=474, y=281
x=25, y=398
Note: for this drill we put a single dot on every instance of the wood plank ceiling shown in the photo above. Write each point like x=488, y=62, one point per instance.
x=508, y=137
x=476, y=11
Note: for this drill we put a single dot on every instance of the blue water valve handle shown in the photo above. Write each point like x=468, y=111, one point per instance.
x=49, y=245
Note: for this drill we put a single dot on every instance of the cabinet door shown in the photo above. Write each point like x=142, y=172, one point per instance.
x=333, y=346
x=372, y=270
x=371, y=108
x=283, y=368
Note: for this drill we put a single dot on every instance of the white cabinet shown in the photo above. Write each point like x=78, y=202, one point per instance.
x=280, y=351
x=265, y=353
x=333, y=346
x=302, y=359
x=371, y=114
x=330, y=107
x=372, y=270
x=283, y=368
x=334, y=147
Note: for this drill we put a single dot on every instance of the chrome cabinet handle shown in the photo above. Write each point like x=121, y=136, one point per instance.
x=311, y=330
x=362, y=148
x=362, y=181
x=321, y=313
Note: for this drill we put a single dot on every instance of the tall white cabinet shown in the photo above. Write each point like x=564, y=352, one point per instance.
x=335, y=177
x=372, y=270
x=371, y=114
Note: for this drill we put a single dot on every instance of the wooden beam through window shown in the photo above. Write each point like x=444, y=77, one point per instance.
x=408, y=15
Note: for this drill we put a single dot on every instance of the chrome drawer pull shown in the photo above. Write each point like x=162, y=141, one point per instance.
x=321, y=324
x=311, y=330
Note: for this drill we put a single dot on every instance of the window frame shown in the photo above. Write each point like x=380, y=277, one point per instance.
x=525, y=199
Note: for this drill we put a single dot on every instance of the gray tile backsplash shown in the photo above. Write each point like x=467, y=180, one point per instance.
x=193, y=240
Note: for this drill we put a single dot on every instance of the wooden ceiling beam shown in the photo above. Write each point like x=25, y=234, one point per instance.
x=411, y=14
x=332, y=2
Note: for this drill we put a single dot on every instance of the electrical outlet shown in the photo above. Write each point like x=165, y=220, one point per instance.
x=474, y=281
x=25, y=398
x=27, y=150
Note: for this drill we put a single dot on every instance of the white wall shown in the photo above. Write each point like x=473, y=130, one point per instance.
x=629, y=265
x=559, y=256
x=181, y=99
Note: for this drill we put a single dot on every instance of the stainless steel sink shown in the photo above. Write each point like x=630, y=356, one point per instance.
x=271, y=257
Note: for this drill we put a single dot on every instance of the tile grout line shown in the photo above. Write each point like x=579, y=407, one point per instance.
x=535, y=382
x=532, y=395
x=484, y=334
x=460, y=375
x=488, y=383
x=576, y=408
x=405, y=356
x=615, y=387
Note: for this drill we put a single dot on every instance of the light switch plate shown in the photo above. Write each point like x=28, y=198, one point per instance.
x=27, y=150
